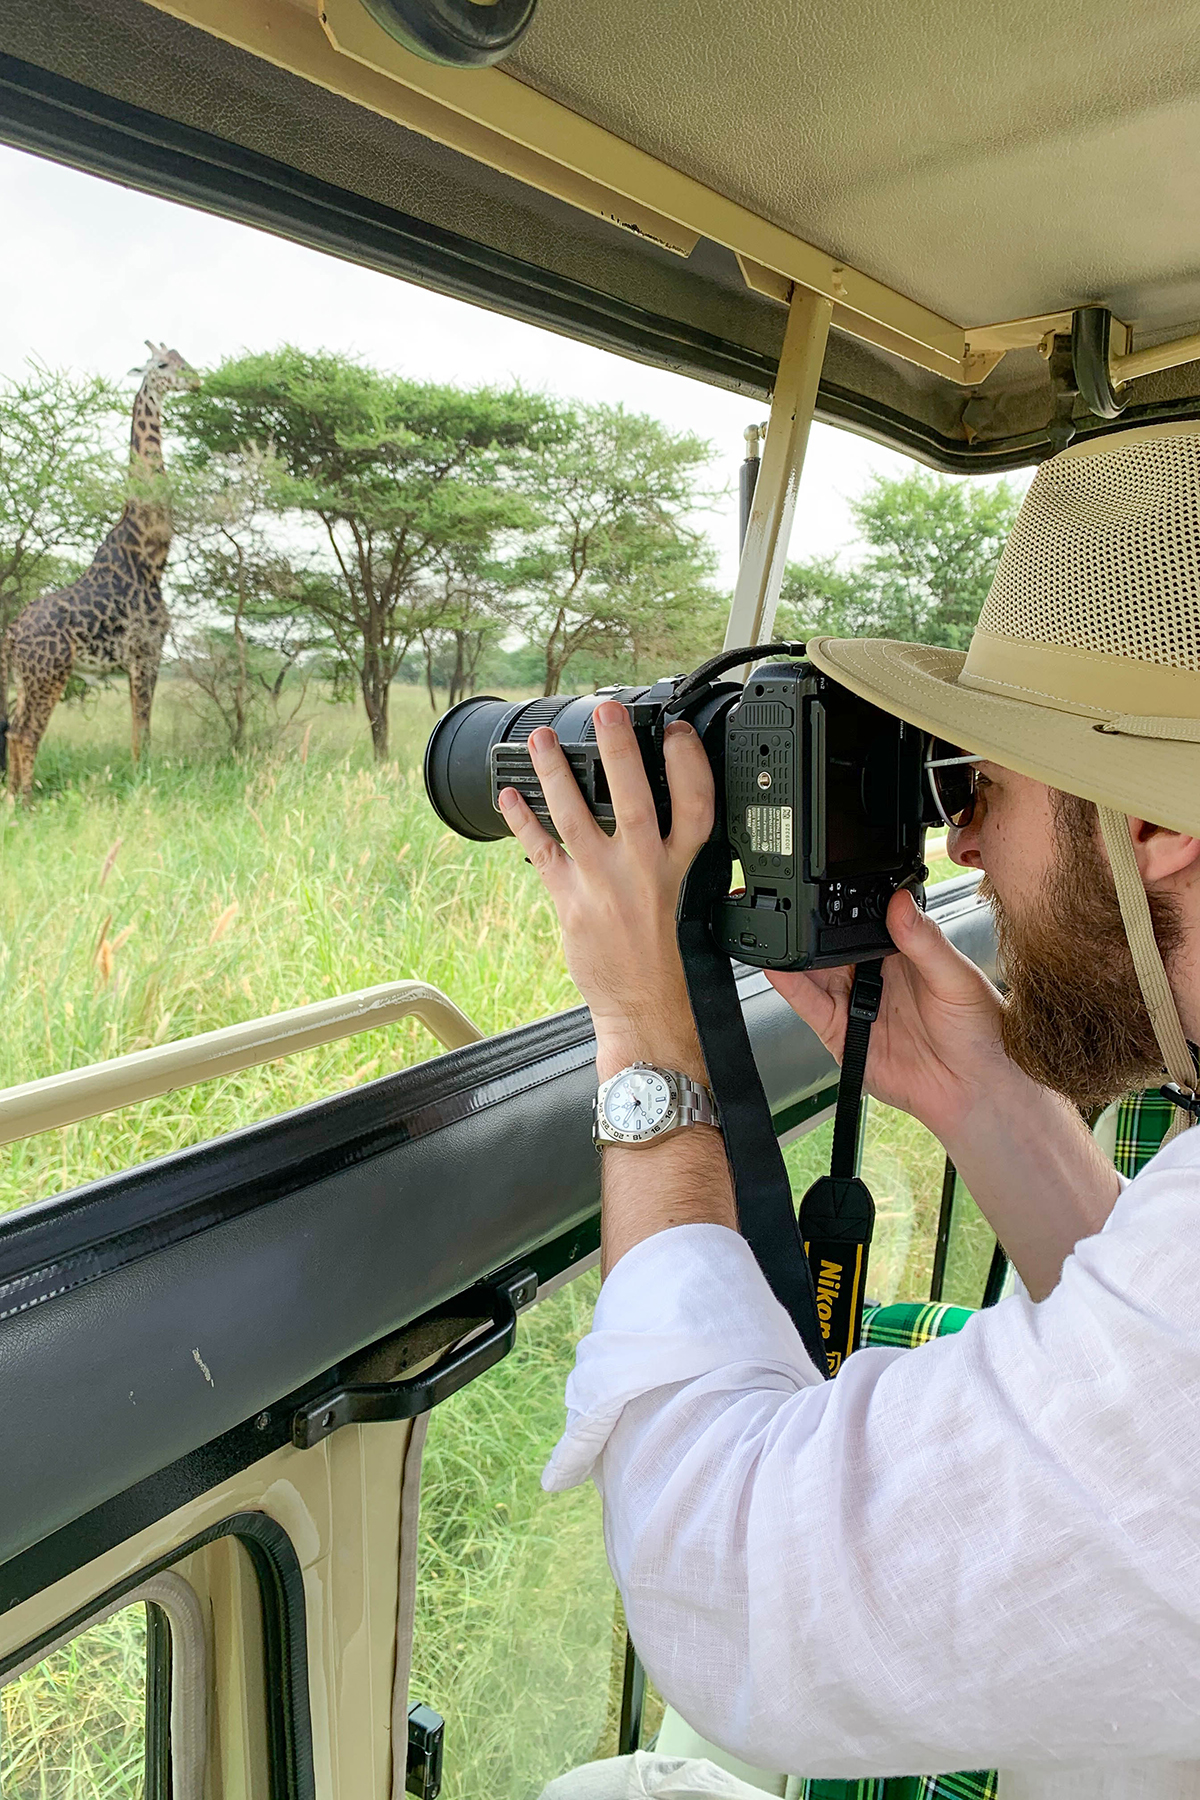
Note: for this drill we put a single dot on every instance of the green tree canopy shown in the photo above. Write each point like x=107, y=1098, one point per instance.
x=613, y=570
x=60, y=485
x=930, y=545
x=240, y=619
x=393, y=478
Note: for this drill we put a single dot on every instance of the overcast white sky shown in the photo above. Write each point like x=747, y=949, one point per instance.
x=90, y=269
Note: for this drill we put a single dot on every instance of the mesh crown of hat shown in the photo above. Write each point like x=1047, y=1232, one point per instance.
x=1105, y=555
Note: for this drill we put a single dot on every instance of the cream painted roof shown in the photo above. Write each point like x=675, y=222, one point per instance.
x=990, y=160
x=985, y=162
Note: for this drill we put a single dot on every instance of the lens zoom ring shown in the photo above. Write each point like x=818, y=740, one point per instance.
x=538, y=712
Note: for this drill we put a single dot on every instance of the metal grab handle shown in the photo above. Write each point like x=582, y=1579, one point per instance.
x=385, y=1402
x=142, y=1075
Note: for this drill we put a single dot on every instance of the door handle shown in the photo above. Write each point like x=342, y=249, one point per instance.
x=385, y=1402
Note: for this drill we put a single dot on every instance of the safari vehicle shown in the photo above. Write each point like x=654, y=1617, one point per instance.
x=966, y=234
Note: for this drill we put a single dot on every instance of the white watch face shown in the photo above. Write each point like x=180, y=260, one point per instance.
x=638, y=1101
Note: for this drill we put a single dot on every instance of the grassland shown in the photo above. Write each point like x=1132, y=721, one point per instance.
x=138, y=907
x=515, y=1640
x=73, y=1728
x=141, y=907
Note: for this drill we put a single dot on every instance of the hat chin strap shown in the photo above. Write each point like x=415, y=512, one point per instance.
x=1147, y=961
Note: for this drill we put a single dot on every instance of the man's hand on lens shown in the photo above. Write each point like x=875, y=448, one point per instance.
x=616, y=897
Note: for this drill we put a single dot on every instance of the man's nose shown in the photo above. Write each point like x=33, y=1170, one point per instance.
x=962, y=844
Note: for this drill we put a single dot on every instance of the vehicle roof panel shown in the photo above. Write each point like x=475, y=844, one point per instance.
x=987, y=163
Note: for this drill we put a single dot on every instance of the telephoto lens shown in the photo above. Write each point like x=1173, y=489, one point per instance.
x=458, y=759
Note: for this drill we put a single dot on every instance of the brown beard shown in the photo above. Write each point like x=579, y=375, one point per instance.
x=1074, y=1018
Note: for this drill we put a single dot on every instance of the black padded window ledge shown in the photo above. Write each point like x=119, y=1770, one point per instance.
x=57, y=1244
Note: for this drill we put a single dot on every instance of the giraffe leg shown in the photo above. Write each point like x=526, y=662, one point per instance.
x=17, y=785
x=31, y=716
x=143, y=678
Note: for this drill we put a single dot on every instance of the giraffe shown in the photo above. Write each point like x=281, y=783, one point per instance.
x=113, y=616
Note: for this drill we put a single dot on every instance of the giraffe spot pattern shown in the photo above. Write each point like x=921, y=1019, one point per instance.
x=113, y=616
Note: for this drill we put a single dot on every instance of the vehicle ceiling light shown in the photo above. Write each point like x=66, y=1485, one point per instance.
x=462, y=34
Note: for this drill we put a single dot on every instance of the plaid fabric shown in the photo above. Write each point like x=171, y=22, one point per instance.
x=903, y=1326
x=913, y=1322
x=981, y=1786
x=1142, y=1121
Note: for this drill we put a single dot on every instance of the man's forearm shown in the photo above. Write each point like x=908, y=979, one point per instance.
x=1037, y=1175
x=684, y=1179
x=1026, y=1158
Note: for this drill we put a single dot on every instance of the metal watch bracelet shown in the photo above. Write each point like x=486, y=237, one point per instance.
x=695, y=1103
x=691, y=1104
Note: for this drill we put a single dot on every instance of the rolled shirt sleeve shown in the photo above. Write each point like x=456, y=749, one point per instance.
x=982, y=1553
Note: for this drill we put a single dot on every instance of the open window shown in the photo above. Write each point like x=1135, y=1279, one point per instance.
x=89, y=1715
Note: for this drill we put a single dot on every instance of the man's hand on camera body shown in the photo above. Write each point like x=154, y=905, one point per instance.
x=616, y=897
x=1024, y=1152
x=936, y=1050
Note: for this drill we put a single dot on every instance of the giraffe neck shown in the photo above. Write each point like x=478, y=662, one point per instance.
x=144, y=528
x=145, y=437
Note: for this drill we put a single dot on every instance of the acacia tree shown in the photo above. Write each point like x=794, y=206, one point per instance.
x=930, y=546
x=613, y=568
x=59, y=480
x=471, y=608
x=395, y=477
x=241, y=625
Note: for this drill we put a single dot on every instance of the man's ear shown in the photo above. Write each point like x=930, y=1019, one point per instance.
x=1163, y=853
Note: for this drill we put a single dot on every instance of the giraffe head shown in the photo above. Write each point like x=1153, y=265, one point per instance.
x=166, y=372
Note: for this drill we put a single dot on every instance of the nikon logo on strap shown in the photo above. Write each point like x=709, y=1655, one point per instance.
x=836, y=1218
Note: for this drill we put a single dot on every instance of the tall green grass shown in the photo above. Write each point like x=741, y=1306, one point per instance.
x=514, y=1638
x=74, y=1727
x=141, y=907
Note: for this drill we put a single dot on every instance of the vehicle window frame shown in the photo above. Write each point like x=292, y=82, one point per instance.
x=285, y=1650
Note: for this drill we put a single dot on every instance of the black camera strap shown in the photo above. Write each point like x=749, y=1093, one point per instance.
x=837, y=1215
x=816, y=1265
x=761, y=1187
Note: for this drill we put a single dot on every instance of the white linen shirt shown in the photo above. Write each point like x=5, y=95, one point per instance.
x=982, y=1553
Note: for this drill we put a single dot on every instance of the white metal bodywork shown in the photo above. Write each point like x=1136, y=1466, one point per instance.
x=505, y=123
x=339, y=1504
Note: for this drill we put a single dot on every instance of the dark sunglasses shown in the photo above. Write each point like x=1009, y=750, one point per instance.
x=954, y=783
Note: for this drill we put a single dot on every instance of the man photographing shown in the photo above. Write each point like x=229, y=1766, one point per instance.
x=985, y=1553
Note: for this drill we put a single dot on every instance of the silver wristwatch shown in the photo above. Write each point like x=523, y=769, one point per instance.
x=642, y=1104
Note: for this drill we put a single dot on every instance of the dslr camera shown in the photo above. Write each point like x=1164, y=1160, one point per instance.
x=822, y=798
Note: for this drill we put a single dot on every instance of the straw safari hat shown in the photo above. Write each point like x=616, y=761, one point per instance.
x=1084, y=670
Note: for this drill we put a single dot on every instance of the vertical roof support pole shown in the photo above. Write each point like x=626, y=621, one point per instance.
x=760, y=572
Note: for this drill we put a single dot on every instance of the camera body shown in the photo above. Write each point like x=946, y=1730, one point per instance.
x=820, y=798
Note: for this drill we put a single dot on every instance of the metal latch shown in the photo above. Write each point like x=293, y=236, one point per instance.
x=426, y=1729
x=493, y=1304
